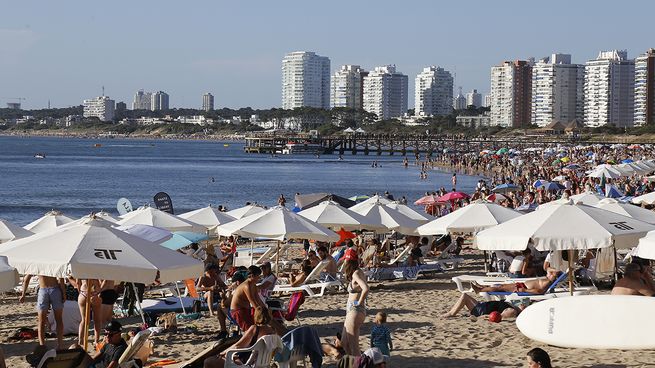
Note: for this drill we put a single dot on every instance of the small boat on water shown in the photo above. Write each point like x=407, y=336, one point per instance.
x=39, y=155
x=305, y=147
x=97, y=145
x=226, y=145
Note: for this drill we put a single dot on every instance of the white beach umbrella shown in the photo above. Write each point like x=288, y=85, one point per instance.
x=331, y=214
x=49, y=221
x=374, y=199
x=9, y=231
x=277, y=223
x=626, y=169
x=8, y=275
x=92, y=250
x=390, y=218
x=245, y=211
x=105, y=216
x=564, y=226
x=208, y=217
x=642, y=167
x=475, y=217
x=646, y=247
x=147, y=232
x=151, y=216
x=606, y=171
x=648, y=164
x=422, y=218
x=648, y=198
x=626, y=209
x=588, y=198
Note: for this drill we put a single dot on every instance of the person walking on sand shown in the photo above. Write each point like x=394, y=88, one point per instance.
x=356, y=305
x=380, y=334
x=51, y=294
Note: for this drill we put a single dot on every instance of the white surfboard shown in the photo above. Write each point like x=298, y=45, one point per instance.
x=591, y=321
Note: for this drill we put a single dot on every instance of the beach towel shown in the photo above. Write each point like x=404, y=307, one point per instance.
x=605, y=261
x=191, y=288
x=296, y=300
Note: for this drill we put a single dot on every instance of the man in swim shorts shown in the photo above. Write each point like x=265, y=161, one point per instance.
x=51, y=295
x=245, y=298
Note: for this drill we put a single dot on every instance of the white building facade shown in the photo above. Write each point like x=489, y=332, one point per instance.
x=511, y=92
x=141, y=100
x=433, y=92
x=347, y=87
x=473, y=98
x=159, y=101
x=208, y=102
x=645, y=88
x=609, y=90
x=459, y=102
x=305, y=80
x=557, y=90
x=385, y=92
x=100, y=107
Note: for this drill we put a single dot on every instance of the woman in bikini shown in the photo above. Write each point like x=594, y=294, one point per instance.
x=95, y=304
x=249, y=338
x=356, y=305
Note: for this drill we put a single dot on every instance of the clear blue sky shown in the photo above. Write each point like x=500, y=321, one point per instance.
x=66, y=51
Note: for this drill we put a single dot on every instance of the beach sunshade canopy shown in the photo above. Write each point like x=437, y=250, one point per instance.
x=374, y=199
x=49, y=221
x=359, y=198
x=539, y=183
x=147, y=232
x=475, y=217
x=305, y=201
x=208, y=217
x=551, y=186
x=588, y=198
x=245, y=211
x=426, y=200
x=8, y=275
x=277, y=223
x=9, y=232
x=627, y=209
x=563, y=226
x=151, y=216
x=606, y=171
x=410, y=212
x=331, y=214
x=92, y=250
x=646, y=247
x=648, y=198
x=496, y=197
x=505, y=188
x=389, y=218
x=105, y=216
x=453, y=196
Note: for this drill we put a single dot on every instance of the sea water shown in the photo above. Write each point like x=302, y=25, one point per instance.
x=79, y=176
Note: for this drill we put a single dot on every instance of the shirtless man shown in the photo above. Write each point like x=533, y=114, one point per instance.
x=632, y=283
x=331, y=267
x=245, y=298
x=538, y=286
x=51, y=294
x=211, y=285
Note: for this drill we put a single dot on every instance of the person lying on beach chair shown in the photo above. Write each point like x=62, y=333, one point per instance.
x=538, y=286
x=632, y=283
x=506, y=309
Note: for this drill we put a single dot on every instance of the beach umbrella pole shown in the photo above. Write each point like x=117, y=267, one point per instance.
x=138, y=303
x=252, y=246
x=87, y=315
x=277, y=260
x=571, y=271
x=179, y=295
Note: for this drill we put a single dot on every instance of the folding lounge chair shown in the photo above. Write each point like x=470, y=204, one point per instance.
x=311, y=283
x=71, y=358
x=401, y=256
x=139, y=341
x=261, y=353
x=551, y=292
x=485, y=281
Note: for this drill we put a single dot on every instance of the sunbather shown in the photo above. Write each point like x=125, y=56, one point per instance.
x=251, y=335
x=245, y=297
x=331, y=268
x=538, y=286
x=632, y=283
x=478, y=309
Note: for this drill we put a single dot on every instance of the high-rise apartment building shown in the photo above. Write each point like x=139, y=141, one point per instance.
x=434, y=92
x=645, y=88
x=347, y=87
x=511, y=89
x=557, y=90
x=305, y=80
x=141, y=100
x=385, y=92
x=487, y=100
x=459, y=101
x=159, y=101
x=100, y=107
x=208, y=102
x=473, y=98
x=609, y=89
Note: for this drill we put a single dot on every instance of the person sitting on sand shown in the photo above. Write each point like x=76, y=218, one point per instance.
x=244, y=297
x=260, y=328
x=631, y=283
x=478, y=309
x=538, y=286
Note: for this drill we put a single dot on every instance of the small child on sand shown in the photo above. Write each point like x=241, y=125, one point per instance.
x=380, y=334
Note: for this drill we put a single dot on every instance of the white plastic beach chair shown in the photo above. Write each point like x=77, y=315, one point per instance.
x=140, y=348
x=401, y=256
x=261, y=353
x=485, y=281
x=311, y=283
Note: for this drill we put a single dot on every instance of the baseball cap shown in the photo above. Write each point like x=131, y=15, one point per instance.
x=376, y=355
x=113, y=326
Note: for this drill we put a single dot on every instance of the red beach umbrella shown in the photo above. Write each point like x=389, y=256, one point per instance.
x=426, y=200
x=452, y=196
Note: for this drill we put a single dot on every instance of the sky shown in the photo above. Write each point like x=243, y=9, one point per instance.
x=66, y=51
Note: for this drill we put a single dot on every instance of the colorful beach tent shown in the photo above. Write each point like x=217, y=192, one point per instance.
x=49, y=221
x=563, y=226
x=9, y=231
x=475, y=217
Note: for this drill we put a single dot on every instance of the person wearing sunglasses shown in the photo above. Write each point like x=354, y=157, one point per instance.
x=113, y=348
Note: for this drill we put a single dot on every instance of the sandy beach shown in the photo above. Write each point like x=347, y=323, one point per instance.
x=421, y=337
